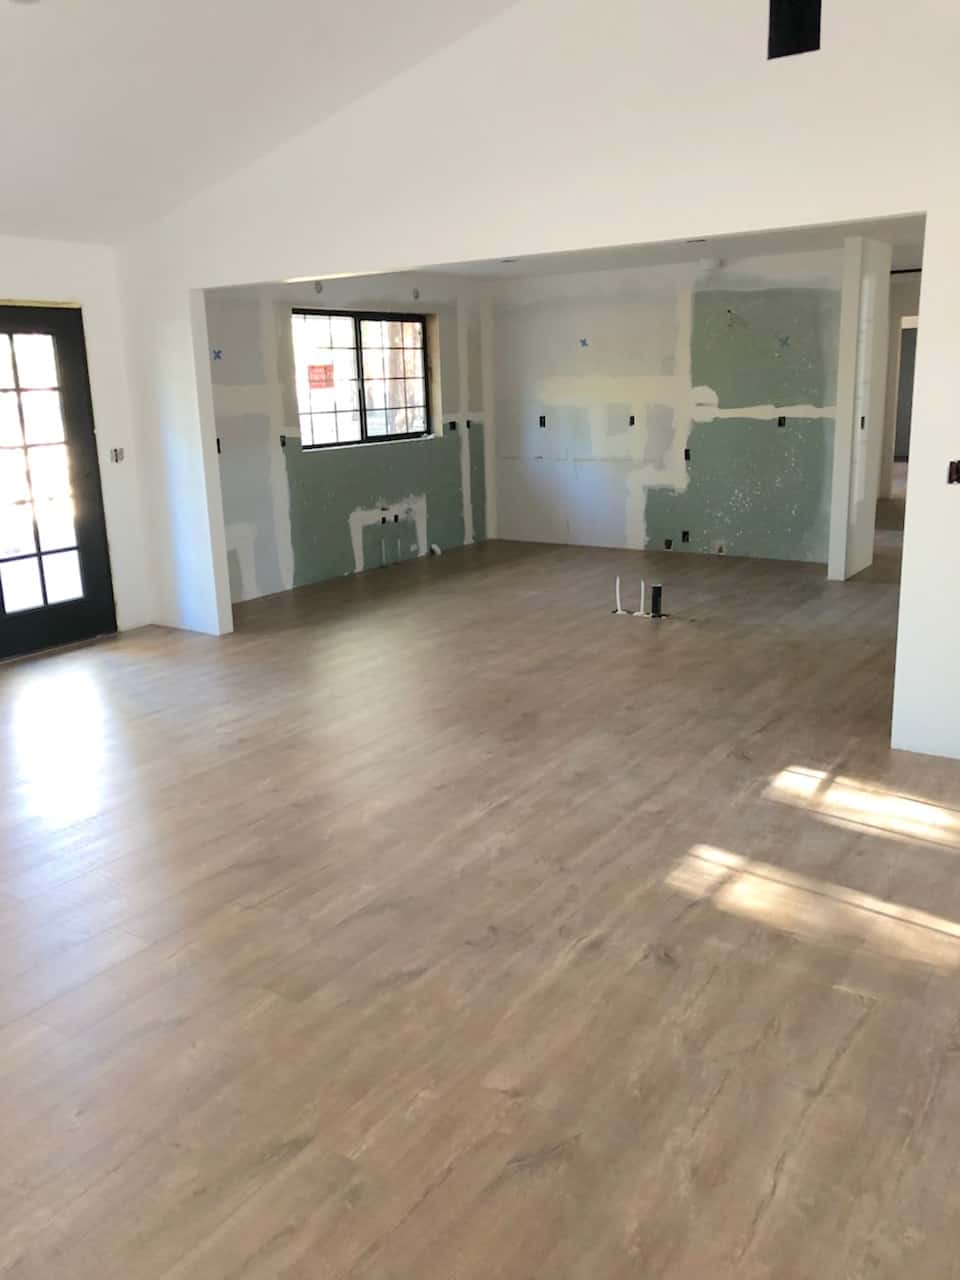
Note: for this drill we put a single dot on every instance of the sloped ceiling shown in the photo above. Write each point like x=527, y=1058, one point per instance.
x=113, y=111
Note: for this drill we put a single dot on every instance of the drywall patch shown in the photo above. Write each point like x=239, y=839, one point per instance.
x=392, y=525
x=760, y=490
x=762, y=346
x=327, y=486
x=660, y=435
x=248, y=509
x=618, y=419
x=234, y=329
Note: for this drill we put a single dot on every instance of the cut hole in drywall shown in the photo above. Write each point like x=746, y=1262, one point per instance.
x=794, y=27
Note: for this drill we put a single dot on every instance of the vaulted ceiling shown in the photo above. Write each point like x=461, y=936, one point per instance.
x=114, y=111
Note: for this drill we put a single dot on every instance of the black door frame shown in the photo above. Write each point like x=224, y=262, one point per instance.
x=94, y=614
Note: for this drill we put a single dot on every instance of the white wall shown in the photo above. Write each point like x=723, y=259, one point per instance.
x=46, y=271
x=904, y=301
x=562, y=126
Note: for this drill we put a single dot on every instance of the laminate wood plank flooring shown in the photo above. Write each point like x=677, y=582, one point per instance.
x=439, y=923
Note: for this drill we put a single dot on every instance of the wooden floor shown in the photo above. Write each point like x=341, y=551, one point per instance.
x=440, y=925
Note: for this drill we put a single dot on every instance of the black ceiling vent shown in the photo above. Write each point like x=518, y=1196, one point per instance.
x=794, y=27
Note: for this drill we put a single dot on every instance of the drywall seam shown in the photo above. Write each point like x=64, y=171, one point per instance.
x=413, y=507
x=704, y=411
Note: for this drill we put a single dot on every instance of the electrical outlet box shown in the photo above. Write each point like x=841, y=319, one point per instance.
x=685, y=536
x=719, y=548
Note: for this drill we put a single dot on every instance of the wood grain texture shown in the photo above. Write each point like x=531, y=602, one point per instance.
x=440, y=924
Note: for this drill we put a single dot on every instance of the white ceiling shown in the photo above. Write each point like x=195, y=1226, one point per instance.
x=113, y=111
x=904, y=234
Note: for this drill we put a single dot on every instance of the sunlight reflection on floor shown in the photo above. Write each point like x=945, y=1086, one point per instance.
x=58, y=727
x=815, y=909
x=851, y=803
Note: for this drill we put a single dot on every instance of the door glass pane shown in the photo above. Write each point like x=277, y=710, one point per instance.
x=9, y=417
x=36, y=362
x=6, y=361
x=20, y=580
x=13, y=477
x=61, y=573
x=55, y=524
x=49, y=471
x=16, y=530
x=42, y=417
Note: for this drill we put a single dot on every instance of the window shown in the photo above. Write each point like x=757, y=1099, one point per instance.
x=361, y=378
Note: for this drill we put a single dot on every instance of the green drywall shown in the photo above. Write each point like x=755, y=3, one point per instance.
x=757, y=488
x=761, y=489
x=326, y=485
x=389, y=543
x=767, y=346
x=478, y=482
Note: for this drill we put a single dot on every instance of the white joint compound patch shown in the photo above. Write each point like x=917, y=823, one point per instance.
x=412, y=508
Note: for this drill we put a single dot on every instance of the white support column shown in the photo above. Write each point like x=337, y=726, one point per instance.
x=846, y=394
x=466, y=478
x=861, y=397
x=926, y=708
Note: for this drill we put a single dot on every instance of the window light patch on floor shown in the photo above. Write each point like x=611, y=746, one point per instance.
x=62, y=772
x=852, y=803
x=814, y=909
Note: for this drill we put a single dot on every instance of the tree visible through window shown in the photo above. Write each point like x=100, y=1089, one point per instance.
x=360, y=378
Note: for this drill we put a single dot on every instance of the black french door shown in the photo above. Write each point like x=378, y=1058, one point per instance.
x=55, y=585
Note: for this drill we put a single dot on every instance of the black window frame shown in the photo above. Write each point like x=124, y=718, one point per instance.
x=358, y=317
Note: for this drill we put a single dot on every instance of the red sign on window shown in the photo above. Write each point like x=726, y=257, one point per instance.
x=320, y=376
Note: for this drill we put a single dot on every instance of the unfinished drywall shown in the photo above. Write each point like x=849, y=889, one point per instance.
x=606, y=382
x=294, y=516
x=368, y=506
